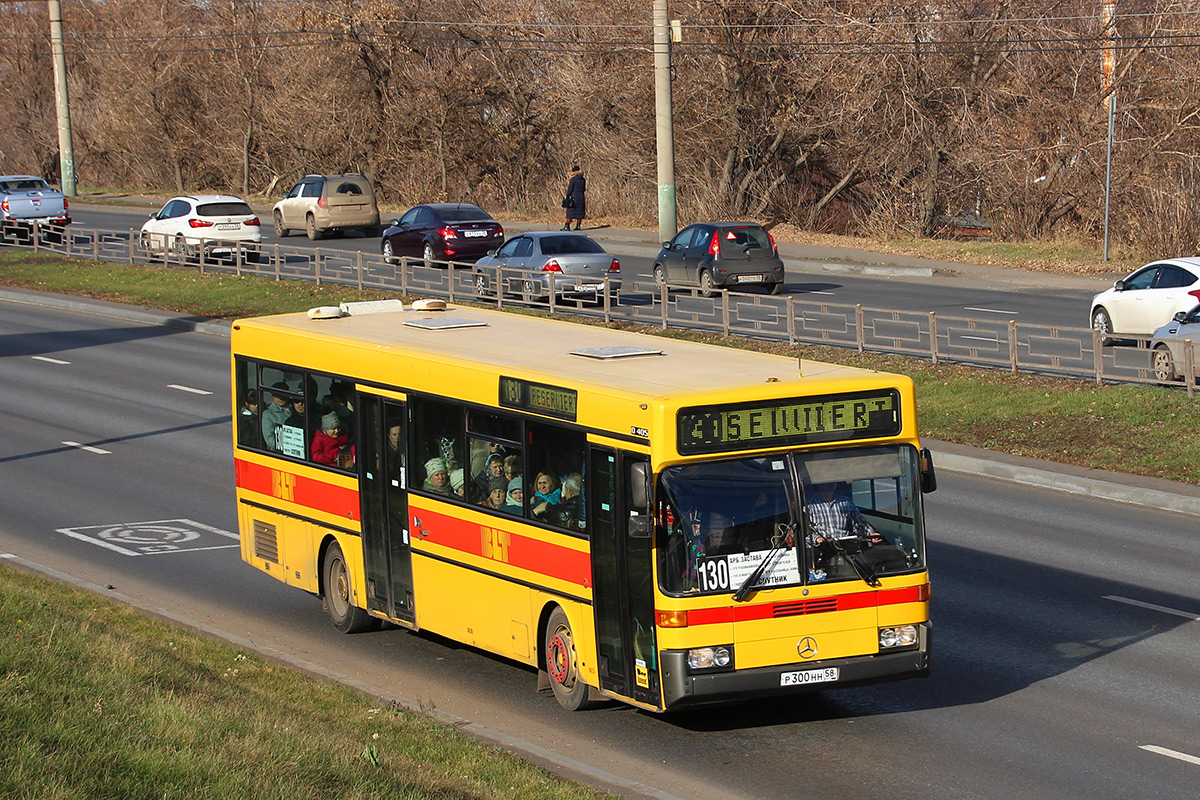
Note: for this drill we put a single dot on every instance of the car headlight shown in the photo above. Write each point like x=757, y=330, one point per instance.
x=710, y=657
x=900, y=636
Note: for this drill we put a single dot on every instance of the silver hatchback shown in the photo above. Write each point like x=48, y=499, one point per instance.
x=1169, y=347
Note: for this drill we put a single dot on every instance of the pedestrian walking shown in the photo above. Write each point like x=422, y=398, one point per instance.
x=575, y=202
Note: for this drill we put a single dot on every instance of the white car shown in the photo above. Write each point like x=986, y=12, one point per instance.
x=1147, y=298
x=217, y=225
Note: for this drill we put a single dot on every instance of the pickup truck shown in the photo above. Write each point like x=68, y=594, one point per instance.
x=29, y=204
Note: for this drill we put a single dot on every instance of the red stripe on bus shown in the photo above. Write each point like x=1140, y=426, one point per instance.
x=817, y=605
x=289, y=487
x=501, y=544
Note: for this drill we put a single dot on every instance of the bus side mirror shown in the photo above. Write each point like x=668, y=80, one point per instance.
x=928, y=476
x=639, y=486
x=640, y=526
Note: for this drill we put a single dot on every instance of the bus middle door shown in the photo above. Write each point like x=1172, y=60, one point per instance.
x=383, y=485
x=622, y=580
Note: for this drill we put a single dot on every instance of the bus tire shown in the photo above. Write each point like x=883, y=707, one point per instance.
x=562, y=664
x=339, y=599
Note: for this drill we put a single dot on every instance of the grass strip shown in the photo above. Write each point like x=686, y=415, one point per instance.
x=98, y=701
x=1141, y=430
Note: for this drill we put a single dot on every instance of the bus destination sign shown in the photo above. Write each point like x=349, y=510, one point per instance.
x=789, y=421
x=553, y=401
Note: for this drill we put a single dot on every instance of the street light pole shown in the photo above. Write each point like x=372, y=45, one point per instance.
x=667, y=226
x=66, y=156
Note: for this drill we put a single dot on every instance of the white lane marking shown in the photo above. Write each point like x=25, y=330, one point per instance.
x=991, y=339
x=155, y=537
x=49, y=360
x=7, y=555
x=1153, y=607
x=1162, y=751
x=990, y=310
x=820, y=292
x=89, y=448
x=186, y=389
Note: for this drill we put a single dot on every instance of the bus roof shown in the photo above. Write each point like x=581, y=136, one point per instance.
x=563, y=352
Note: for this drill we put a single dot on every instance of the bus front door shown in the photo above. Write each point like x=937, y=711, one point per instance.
x=383, y=485
x=622, y=580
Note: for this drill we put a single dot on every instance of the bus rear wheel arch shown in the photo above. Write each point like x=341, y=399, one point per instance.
x=338, y=594
x=561, y=663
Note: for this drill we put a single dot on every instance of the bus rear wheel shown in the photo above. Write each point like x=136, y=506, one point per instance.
x=562, y=664
x=339, y=597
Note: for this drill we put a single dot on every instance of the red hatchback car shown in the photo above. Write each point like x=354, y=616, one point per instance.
x=442, y=232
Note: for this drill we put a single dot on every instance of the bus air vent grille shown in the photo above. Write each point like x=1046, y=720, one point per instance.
x=818, y=606
x=266, y=543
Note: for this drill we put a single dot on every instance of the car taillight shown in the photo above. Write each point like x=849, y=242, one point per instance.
x=322, y=202
x=1194, y=292
x=714, y=247
x=446, y=233
x=199, y=223
x=552, y=266
x=498, y=232
x=66, y=205
x=252, y=221
x=4, y=207
x=774, y=248
x=615, y=266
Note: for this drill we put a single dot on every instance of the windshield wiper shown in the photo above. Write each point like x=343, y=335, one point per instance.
x=863, y=569
x=785, y=533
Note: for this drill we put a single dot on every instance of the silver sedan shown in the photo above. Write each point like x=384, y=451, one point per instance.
x=1168, y=349
x=530, y=263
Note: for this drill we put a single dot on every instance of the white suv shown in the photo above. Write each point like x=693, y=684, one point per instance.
x=215, y=225
x=320, y=204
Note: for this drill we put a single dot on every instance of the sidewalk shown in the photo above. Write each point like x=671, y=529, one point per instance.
x=1183, y=498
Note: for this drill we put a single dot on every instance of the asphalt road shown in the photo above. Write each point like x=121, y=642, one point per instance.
x=1065, y=657
x=952, y=290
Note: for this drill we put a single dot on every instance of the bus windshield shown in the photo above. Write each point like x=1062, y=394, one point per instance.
x=818, y=516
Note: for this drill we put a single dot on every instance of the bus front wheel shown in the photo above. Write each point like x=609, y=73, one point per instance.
x=339, y=599
x=562, y=664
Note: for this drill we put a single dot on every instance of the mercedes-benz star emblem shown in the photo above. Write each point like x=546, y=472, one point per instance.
x=807, y=647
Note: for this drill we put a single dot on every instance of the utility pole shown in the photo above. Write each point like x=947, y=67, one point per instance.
x=1108, y=13
x=66, y=157
x=663, y=112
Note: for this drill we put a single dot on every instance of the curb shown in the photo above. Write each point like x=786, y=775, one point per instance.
x=1182, y=498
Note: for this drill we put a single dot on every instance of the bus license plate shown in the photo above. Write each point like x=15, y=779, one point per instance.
x=826, y=675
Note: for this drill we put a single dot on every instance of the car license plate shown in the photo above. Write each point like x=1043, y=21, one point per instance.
x=749, y=278
x=473, y=234
x=826, y=675
x=228, y=226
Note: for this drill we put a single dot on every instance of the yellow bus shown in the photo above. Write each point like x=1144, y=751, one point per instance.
x=656, y=521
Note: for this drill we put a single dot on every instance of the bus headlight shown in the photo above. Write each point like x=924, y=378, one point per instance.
x=710, y=657
x=900, y=636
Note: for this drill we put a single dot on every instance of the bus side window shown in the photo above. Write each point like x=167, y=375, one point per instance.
x=248, y=431
x=556, y=476
x=437, y=445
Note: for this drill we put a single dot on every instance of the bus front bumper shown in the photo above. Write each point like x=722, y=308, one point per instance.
x=682, y=687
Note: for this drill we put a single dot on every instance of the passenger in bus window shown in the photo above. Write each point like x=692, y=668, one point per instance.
x=565, y=514
x=492, y=468
x=516, y=496
x=512, y=466
x=497, y=493
x=329, y=442
x=437, y=479
x=546, y=493
x=248, y=420
x=275, y=414
x=456, y=482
